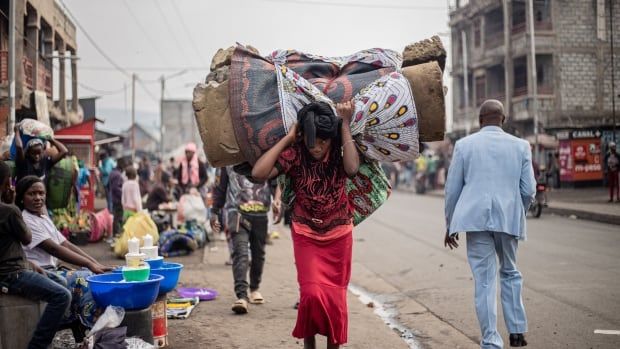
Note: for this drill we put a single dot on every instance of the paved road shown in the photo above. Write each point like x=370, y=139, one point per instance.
x=571, y=270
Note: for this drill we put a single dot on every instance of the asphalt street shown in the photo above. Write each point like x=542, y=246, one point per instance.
x=570, y=269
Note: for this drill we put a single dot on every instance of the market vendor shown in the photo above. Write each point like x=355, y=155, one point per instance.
x=192, y=173
x=160, y=193
x=48, y=245
x=32, y=160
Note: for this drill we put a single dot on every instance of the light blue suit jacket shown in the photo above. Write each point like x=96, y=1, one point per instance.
x=490, y=183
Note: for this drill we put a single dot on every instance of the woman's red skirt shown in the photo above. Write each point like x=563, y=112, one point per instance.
x=323, y=273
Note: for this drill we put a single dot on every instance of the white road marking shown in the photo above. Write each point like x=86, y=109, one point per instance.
x=614, y=332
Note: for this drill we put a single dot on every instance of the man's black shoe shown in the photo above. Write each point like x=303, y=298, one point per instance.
x=517, y=340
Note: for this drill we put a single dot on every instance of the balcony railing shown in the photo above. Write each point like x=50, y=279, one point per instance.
x=520, y=91
x=27, y=72
x=538, y=26
x=499, y=96
x=4, y=66
x=545, y=89
x=44, y=80
x=44, y=76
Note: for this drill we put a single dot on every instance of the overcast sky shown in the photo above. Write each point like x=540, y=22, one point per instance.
x=164, y=37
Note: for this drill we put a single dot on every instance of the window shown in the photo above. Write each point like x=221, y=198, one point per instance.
x=520, y=76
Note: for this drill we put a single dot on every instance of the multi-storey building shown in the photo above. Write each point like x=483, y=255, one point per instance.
x=572, y=94
x=573, y=61
x=45, y=40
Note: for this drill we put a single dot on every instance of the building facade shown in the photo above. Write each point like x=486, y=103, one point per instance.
x=45, y=40
x=179, y=125
x=572, y=63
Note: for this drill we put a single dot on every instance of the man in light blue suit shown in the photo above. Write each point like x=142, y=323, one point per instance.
x=489, y=188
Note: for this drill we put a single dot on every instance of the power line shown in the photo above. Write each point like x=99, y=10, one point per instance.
x=145, y=32
x=170, y=30
x=188, y=34
x=345, y=4
x=90, y=39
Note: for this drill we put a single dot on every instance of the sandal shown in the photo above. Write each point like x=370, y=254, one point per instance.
x=256, y=298
x=240, y=306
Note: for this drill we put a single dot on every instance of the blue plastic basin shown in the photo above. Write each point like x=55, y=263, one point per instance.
x=171, y=273
x=111, y=289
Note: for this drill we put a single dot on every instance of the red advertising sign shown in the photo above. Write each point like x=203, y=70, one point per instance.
x=580, y=160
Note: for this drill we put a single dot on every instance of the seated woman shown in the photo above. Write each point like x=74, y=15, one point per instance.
x=160, y=194
x=48, y=245
x=24, y=279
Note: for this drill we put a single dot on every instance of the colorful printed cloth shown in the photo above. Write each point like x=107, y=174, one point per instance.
x=83, y=306
x=384, y=126
x=366, y=191
x=262, y=104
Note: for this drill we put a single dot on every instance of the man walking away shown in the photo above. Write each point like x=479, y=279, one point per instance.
x=489, y=189
x=246, y=205
x=612, y=161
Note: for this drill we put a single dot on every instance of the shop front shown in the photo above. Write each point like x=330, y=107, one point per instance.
x=580, y=156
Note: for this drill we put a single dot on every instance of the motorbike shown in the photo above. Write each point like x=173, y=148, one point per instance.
x=539, y=200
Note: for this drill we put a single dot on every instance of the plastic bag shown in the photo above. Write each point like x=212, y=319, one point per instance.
x=111, y=318
x=136, y=226
x=192, y=207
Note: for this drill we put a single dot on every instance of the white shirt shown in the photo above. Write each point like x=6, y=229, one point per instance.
x=42, y=229
x=131, y=198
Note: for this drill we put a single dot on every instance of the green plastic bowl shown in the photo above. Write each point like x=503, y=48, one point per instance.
x=136, y=274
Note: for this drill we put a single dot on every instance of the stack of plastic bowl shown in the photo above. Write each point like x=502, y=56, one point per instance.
x=150, y=252
x=135, y=269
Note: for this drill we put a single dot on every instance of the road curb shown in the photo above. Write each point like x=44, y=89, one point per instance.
x=585, y=215
x=566, y=212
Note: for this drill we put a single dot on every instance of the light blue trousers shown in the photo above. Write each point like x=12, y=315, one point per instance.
x=482, y=249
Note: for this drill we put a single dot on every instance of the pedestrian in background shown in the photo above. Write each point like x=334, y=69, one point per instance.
x=145, y=175
x=116, y=194
x=131, y=197
x=488, y=192
x=191, y=173
x=106, y=165
x=322, y=222
x=246, y=204
x=612, y=162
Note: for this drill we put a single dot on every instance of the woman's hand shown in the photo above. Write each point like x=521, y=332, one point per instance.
x=345, y=111
x=291, y=136
x=98, y=268
x=37, y=268
x=276, y=209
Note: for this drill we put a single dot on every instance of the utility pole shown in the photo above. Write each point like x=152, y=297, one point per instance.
x=133, y=116
x=533, y=76
x=12, y=23
x=161, y=116
x=613, y=85
x=465, y=82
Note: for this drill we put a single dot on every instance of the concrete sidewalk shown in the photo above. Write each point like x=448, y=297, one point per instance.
x=582, y=203
x=213, y=325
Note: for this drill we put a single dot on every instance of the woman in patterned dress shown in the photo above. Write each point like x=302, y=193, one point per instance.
x=321, y=218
